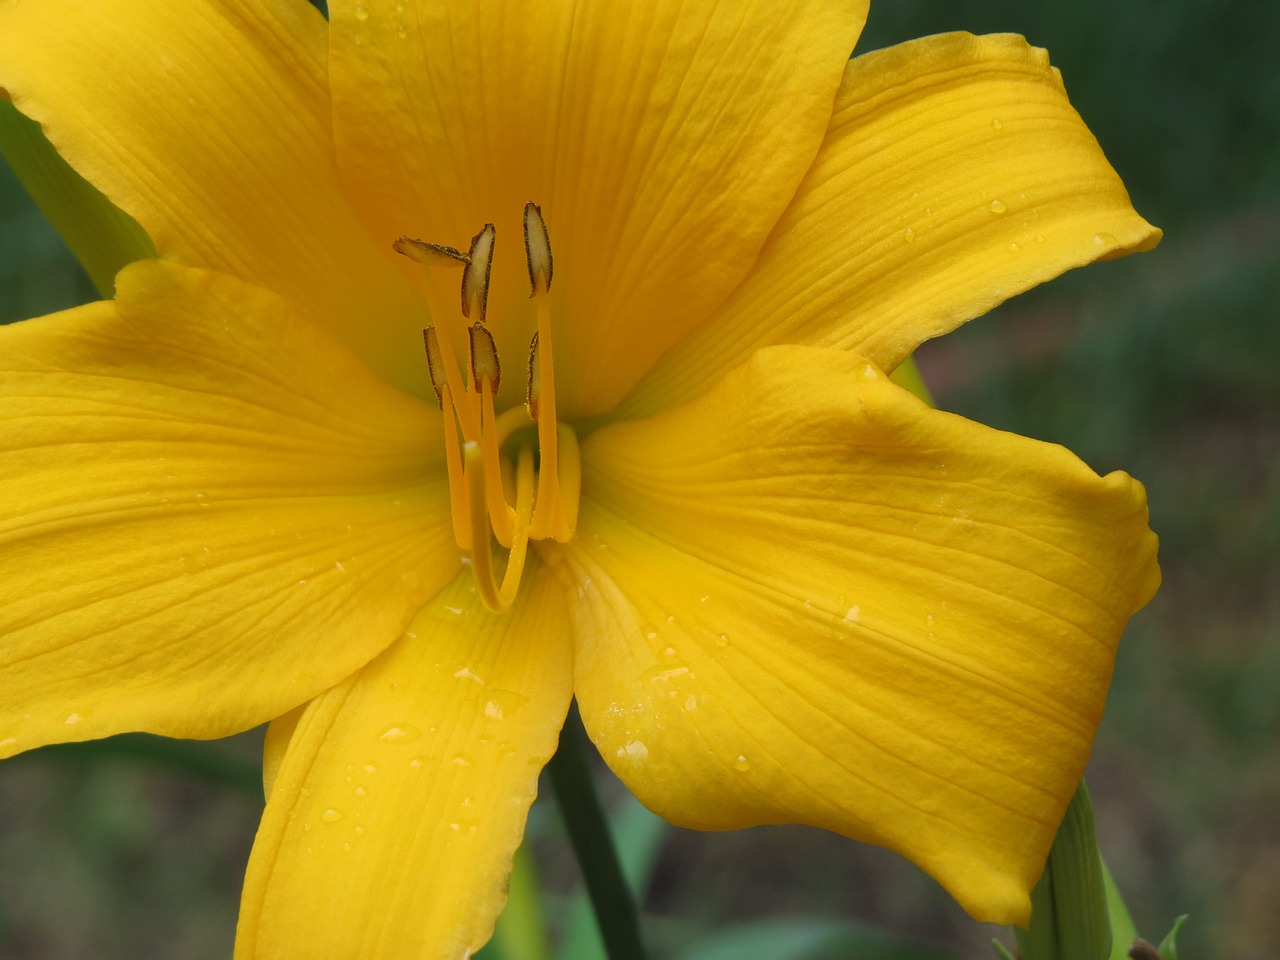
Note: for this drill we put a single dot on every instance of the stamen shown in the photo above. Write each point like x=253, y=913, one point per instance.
x=457, y=483
x=485, y=376
x=475, y=279
x=484, y=360
x=531, y=390
x=430, y=254
x=498, y=598
x=537, y=249
x=435, y=363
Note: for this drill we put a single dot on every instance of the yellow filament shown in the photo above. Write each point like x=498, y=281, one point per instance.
x=569, y=480
x=448, y=331
x=500, y=513
x=544, y=512
x=497, y=598
x=454, y=466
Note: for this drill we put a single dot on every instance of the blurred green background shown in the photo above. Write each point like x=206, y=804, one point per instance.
x=1164, y=365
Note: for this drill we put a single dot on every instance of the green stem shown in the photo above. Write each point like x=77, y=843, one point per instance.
x=588, y=831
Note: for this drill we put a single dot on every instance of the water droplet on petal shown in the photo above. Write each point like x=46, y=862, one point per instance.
x=461, y=761
x=998, y=206
x=331, y=815
x=417, y=762
x=909, y=235
x=853, y=615
x=636, y=750
x=741, y=763
x=1104, y=239
x=400, y=733
x=73, y=719
x=361, y=13
x=1015, y=246
x=995, y=123
x=466, y=674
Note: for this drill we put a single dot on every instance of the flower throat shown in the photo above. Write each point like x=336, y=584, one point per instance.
x=489, y=494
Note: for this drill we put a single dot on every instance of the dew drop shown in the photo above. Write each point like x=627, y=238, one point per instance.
x=503, y=703
x=361, y=13
x=853, y=614
x=417, y=762
x=465, y=674
x=331, y=815
x=691, y=703
x=722, y=640
x=359, y=791
x=461, y=761
x=73, y=719
x=636, y=750
x=996, y=123
x=1039, y=238
x=359, y=831
x=909, y=235
x=369, y=768
x=346, y=846
x=400, y=733
x=1014, y=246
x=402, y=31
x=741, y=763
x=998, y=206
x=1104, y=239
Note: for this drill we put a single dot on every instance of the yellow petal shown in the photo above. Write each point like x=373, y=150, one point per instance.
x=209, y=512
x=662, y=139
x=955, y=175
x=209, y=123
x=403, y=793
x=807, y=597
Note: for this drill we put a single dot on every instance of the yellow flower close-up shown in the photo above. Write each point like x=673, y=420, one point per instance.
x=694, y=239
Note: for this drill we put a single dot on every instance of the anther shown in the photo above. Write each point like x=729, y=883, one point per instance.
x=537, y=249
x=430, y=254
x=435, y=363
x=531, y=390
x=484, y=359
x=475, y=279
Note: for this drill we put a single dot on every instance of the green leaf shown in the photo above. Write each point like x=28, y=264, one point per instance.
x=1123, y=931
x=1001, y=952
x=103, y=237
x=1169, y=945
x=1069, y=917
x=809, y=939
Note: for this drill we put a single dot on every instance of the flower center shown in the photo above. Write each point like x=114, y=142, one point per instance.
x=492, y=494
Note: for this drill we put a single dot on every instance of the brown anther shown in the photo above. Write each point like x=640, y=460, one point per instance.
x=484, y=359
x=531, y=390
x=435, y=363
x=475, y=279
x=430, y=254
x=537, y=249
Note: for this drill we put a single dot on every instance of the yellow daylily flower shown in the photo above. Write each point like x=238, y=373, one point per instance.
x=781, y=588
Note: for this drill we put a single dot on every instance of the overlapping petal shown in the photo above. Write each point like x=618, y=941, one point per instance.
x=807, y=597
x=403, y=793
x=197, y=531
x=955, y=174
x=209, y=122
x=662, y=138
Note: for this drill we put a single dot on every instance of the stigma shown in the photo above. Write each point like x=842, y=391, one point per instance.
x=506, y=483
